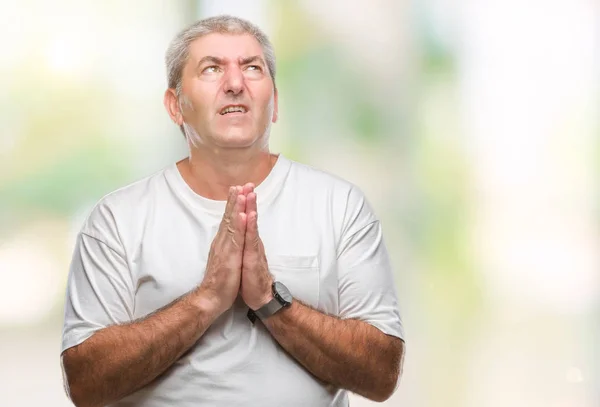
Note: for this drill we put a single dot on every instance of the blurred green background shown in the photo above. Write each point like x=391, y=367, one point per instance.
x=471, y=126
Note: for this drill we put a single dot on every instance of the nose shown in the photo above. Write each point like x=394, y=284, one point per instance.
x=234, y=81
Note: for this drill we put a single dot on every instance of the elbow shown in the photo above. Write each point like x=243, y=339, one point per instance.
x=79, y=396
x=73, y=383
x=76, y=397
x=382, y=389
x=390, y=379
x=386, y=388
x=76, y=393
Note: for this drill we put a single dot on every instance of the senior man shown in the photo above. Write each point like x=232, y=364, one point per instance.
x=234, y=276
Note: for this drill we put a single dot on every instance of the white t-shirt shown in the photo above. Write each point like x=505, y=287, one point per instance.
x=147, y=244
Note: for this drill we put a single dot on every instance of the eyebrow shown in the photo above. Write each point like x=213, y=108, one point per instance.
x=210, y=59
x=252, y=59
x=221, y=61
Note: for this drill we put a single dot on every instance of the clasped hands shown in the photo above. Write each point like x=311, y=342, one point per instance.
x=236, y=262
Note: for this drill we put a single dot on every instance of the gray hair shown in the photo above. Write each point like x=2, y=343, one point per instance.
x=178, y=51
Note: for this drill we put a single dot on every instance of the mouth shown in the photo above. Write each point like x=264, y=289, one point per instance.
x=233, y=109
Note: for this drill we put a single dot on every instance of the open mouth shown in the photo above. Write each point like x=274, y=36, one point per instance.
x=233, y=109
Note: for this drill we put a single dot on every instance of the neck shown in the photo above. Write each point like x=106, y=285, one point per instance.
x=211, y=173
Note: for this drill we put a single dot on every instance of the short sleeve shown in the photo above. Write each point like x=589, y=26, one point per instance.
x=366, y=285
x=99, y=290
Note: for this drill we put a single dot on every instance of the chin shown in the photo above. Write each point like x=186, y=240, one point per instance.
x=237, y=139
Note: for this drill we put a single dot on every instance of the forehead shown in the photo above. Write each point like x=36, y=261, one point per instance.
x=230, y=46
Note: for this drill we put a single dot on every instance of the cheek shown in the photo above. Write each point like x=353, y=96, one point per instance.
x=268, y=101
x=263, y=115
x=201, y=113
x=202, y=94
x=269, y=110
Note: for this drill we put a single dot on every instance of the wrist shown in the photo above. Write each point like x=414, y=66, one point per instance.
x=283, y=318
x=266, y=298
x=206, y=303
x=279, y=298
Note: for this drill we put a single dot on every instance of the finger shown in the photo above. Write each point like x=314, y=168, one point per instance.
x=231, y=199
x=242, y=221
x=236, y=233
x=236, y=229
x=250, y=254
x=252, y=232
x=240, y=203
x=234, y=207
x=249, y=187
x=251, y=202
x=229, y=218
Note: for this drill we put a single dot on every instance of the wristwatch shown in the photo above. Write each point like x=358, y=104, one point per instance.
x=281, y=299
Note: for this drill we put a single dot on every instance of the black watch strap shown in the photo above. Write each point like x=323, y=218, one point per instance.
x=251, y=315
x=281, y=299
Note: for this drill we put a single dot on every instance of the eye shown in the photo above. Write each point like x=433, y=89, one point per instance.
x=254, y=68
x=211, y=69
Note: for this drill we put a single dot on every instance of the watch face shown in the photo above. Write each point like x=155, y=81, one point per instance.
x=283, y=292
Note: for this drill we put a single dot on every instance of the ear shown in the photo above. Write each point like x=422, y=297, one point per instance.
x=172, y=105
x=275, y=108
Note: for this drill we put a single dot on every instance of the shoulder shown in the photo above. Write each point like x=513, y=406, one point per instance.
x=318, y=180
x=122, y=206
x=348, y=200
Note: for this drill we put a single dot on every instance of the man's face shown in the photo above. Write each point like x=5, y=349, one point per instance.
x=228, y=95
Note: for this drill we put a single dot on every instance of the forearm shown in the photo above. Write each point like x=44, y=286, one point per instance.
x=348, y=354
x=121, y=359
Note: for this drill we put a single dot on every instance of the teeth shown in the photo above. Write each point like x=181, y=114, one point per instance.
x=232, y=109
